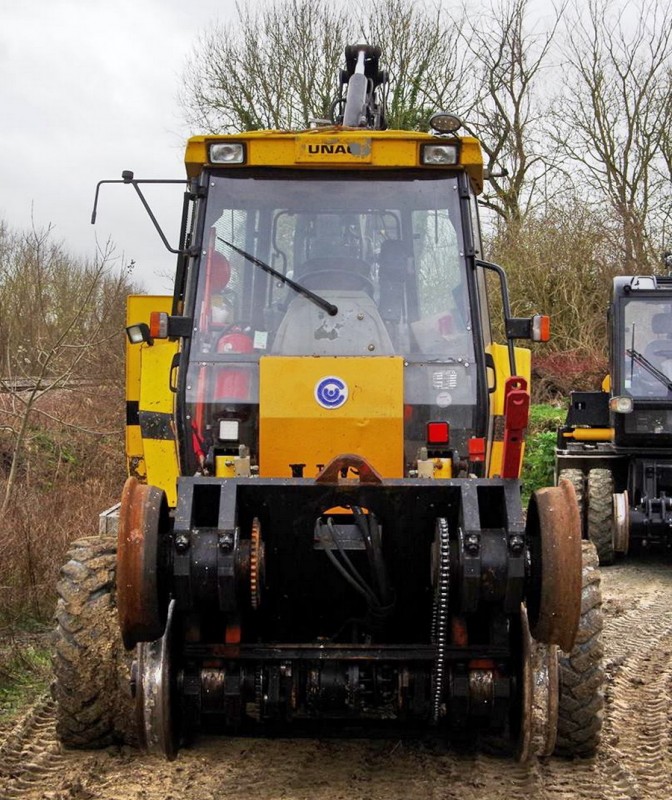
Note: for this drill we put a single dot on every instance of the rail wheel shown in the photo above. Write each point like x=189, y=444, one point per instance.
x=155, y=693
x=554, y=536
x=142, y=608
x=581, y=671
x=621, y=523
x=539, y=696
x=91, y=668
x=577, y=479
x=600, y=513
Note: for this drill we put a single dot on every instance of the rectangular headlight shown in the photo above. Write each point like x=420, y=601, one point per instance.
x=439, y=154
x=227, y=153
x=228, y=430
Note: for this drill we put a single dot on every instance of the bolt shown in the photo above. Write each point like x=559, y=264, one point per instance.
x=181, y=542
x=225, y=541
x=516, y=544
x=472, y=544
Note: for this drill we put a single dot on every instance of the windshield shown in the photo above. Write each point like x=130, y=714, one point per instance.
x=647, y=349
x=387, y=252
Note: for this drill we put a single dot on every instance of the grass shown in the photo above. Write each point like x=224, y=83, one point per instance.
x=25, y=671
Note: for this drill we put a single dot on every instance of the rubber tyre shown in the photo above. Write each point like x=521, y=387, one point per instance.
x=581, y=672
x=576, y=478
x=91, y=684
x=600, y=514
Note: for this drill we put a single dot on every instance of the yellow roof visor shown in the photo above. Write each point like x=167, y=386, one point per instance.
x=336, y=148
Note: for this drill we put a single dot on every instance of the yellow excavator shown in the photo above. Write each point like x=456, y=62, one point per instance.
x=322, y=525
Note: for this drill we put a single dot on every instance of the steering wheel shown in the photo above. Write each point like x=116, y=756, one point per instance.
x=336, y=272
x=344, y=279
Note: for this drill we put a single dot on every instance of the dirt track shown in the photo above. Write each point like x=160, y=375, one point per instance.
x=635, y=759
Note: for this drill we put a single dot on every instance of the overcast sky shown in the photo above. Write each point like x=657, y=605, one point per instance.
x=87, y=89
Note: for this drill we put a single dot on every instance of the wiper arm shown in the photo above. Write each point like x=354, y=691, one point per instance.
x=330, y=308
x=638, y=358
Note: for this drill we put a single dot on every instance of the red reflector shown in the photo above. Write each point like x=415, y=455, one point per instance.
x=476, y=449
x=438, y=432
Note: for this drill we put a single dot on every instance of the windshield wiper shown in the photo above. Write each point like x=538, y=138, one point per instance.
x=330, y=308
x=638, y=358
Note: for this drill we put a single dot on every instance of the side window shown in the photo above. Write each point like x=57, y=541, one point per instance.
x=224, y=292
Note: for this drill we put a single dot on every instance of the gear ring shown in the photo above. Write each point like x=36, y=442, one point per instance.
x=256, y=564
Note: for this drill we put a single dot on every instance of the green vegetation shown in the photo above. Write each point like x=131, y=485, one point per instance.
x=539, y=461
x=25, y=671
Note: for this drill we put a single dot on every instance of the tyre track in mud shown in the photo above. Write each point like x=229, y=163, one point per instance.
x=638, y=648
x=30, y=755
x=633, y=762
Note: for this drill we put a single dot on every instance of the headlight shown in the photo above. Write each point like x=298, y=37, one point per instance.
x=139, y=333
x=227, y=153
x=439, y=154
x=228, y=430
x=621, y=404
x=444, y=122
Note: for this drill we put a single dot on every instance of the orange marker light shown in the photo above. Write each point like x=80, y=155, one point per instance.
x=158, y=325
x=541, y=328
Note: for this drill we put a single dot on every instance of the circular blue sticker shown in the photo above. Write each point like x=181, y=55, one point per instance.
x=331, y=392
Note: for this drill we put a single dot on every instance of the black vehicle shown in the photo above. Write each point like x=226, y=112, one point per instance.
x=616, y=445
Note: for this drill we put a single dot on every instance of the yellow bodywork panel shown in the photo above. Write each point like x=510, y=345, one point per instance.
x=336, y=148
x=304, y=418
x=500, y=355
x=151, y=449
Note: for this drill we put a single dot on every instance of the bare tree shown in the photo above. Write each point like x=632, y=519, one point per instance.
x=424, y=57
x=503, y=107
x=277, y=66
x=61, y=321
x=272, y=67
x=614, y=118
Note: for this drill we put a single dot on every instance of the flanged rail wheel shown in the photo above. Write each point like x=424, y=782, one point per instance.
x=600, y=513
x=142, y=607
x=578, y=481
x=554, y=536
x=621, y=522
x=539, y=696
x=155, y=693
x=581, y=671
x=91, y=668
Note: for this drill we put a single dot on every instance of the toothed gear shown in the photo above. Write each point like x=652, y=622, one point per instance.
x=256, y=564
x=441, y=581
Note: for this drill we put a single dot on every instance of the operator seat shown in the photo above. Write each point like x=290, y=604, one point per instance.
x=355, y=330
x=659, y=351
x=335, y=272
